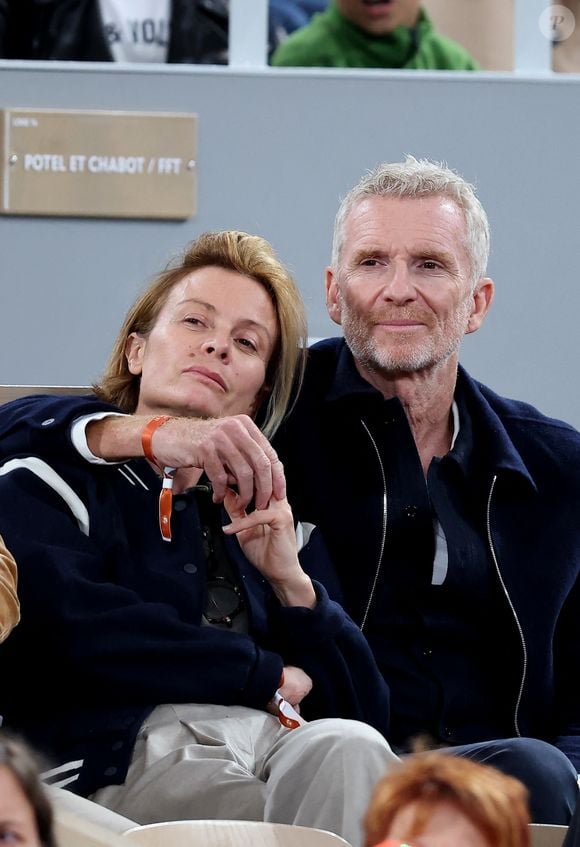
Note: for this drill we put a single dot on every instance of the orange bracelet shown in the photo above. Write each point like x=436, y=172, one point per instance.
x=147, y=436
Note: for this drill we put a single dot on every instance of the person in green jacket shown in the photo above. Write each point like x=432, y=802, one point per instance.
x=372, y=34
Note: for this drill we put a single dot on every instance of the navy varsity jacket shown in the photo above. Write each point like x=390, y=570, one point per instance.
x=111, y=614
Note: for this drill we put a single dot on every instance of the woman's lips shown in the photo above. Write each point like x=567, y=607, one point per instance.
x=211, y=375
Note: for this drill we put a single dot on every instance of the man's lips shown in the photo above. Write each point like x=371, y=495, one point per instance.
x=400, y=324
x=211, y=375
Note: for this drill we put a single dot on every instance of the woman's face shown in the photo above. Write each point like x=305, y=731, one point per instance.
x=17, y=819
x=210, y=346
x=446, y=827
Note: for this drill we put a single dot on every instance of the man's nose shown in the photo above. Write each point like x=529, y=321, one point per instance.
x=398, y=285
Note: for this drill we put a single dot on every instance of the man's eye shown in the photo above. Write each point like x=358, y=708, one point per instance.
x=370, y=263
x=430, y=265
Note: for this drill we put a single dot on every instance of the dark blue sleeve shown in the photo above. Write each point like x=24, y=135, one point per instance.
x=331, y=649
x=87, y=639
x=40, y=424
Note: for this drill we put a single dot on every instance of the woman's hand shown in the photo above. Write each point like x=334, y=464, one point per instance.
x=268, y=540
x=297, y=684
x=294, y=688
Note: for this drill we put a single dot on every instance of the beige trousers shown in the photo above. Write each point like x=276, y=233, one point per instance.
x=235, y=763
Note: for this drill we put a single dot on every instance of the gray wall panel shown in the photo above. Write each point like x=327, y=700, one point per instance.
x=276, y=150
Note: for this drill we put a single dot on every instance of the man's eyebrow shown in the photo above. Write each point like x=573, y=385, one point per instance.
x=368, y=253
x=429, y=252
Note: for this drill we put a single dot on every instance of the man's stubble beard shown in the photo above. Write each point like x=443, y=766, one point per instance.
x=409, y=356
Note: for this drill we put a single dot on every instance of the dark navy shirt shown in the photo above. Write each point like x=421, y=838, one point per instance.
x=443, y=662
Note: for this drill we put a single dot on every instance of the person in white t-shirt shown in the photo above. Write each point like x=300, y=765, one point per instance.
x=189, y=31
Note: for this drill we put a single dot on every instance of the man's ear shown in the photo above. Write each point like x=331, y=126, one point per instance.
x=333, y=297
x=482, y=300
x=134, y=350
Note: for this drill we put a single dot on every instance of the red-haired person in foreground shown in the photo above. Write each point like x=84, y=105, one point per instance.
x=439, y=800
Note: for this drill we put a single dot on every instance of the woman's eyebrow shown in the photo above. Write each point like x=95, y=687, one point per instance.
x=205, y=305
x=245, y=322
x=252, y=324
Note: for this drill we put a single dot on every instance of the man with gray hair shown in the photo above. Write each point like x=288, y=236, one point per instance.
x=451, y=512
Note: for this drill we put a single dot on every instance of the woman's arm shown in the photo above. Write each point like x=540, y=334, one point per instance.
x=268, y=540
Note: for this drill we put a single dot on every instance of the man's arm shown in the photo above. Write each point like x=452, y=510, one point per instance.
x=566, y=660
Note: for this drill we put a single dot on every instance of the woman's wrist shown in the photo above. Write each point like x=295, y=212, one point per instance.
x=297, y=591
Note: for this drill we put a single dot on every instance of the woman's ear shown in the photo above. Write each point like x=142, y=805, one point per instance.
x=134, y=352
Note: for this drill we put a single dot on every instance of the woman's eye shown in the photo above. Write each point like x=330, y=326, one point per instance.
x=247, y=343
x=8, y=836
x=194, y=321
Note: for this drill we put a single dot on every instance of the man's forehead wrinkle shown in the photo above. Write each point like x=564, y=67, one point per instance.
x=373, y=225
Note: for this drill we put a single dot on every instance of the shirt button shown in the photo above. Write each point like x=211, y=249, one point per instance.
x=179, y=505
x=427, y=652
x=110, y=771
x=447, y=732
x=118, y=745
x=411, y=511
x=190, y=568
x=47, y=422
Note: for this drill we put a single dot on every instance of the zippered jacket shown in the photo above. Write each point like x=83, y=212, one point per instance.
x=111, y=613
x=526, y=504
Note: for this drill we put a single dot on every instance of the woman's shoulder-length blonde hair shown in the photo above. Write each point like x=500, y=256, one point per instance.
x=245, y=254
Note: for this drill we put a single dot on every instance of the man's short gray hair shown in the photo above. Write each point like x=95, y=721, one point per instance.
x=416, y=178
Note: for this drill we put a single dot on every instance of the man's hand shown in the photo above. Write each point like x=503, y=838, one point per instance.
x=231, y=451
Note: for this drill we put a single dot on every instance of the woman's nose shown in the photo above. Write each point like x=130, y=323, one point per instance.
x=216, y=347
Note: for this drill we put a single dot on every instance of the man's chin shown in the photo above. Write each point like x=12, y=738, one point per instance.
x=397, y=368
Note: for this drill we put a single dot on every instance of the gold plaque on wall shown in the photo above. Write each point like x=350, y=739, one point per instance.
x=98, y=163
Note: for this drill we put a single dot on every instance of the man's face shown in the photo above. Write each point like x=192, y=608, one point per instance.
x=403, y=291
x=379, y=17
x=210, y=346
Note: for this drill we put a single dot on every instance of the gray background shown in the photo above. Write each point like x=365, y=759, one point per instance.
x=277, y=148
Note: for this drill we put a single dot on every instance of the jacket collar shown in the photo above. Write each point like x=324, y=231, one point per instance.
x=481, y=428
